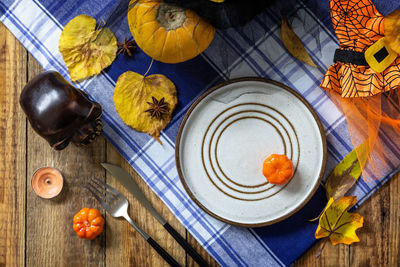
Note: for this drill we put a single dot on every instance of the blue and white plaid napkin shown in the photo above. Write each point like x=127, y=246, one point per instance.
x=254, y=50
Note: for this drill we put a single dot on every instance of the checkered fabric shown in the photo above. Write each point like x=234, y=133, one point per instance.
x=253, y=50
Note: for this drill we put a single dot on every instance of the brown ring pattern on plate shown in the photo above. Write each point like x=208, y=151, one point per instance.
x=248, y=117
x=206, y=133
x=216, y=157
x=219, y=178
x=291, y=147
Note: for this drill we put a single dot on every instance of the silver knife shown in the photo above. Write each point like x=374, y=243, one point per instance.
x=127, y=181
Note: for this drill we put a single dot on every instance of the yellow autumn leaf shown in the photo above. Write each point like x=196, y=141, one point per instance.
x=392, y=30
x=85, y=52
x=294, y=45
x=339, y=225
x=136, y=98
x=347, y=172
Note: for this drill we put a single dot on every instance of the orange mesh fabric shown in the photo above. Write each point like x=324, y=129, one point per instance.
x=368, y=99
x=375, y=120
x=358, y=25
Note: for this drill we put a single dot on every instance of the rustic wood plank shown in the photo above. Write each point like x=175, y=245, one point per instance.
x=51, y=240
x=331, y=256
x=380, y=236
x=124, y=245
x=12, y=151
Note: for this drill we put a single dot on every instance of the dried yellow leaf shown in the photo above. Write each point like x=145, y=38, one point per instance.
x=294, y=45
x=339, y=225
x=135, y=95
x=85, y=52
x=392, y=30
x=347, y=172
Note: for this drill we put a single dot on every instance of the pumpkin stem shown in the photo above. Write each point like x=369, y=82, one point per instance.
x=171, y=17
x=151, y=64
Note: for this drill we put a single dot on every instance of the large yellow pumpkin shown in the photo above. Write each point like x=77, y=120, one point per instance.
x=168, y=33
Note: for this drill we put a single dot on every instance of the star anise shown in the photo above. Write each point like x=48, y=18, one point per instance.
x=126, y=48
x=158, y=108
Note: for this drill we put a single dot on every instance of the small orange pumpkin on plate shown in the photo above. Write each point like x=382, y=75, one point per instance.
x=278, y=169
x=168, y=33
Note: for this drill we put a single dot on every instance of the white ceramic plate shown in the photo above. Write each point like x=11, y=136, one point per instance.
x=225, y=137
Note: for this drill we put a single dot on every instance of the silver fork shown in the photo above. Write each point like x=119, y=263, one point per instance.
x=117, y=205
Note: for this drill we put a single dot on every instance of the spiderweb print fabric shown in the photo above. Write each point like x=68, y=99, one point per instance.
x=369, y=100
x=358, y=25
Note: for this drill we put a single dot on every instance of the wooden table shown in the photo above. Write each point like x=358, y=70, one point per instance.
x=37, y=232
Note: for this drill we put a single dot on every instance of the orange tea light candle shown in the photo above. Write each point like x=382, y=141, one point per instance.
x=47, y=182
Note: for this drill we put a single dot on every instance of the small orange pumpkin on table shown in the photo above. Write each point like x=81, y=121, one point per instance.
x=88, y=223
x=168, y=33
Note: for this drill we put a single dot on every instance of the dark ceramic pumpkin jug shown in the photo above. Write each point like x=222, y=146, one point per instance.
x=59, y=112
x=230, y=13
